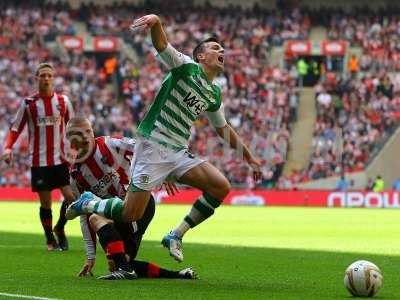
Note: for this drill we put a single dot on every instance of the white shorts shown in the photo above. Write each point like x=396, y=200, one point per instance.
x=153, y=163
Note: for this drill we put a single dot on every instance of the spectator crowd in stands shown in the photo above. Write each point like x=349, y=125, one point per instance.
x=260, y=99
x=354, y=118
x=378, y=34
x=24, y=30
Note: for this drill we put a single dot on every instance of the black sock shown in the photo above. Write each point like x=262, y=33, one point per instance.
x=46, y=219
x=145, y=269
x=62, y=220
x=112, y=243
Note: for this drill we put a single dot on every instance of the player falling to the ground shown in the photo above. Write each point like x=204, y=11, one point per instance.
x=102, y=167
x=46, y=114
x=161, y=148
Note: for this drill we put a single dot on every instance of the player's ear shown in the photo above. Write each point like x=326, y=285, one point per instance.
x=200, y=56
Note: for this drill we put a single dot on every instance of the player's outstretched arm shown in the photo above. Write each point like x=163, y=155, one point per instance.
x=158, y=36
x=90, y=246
x=229, y=134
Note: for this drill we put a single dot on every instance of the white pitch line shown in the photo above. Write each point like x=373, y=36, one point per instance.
x=26, y=297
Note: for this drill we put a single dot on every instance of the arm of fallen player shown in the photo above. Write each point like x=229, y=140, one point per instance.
x=87, y=268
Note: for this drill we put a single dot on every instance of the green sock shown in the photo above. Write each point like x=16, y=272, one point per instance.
x=110, y=208
x=201, y=210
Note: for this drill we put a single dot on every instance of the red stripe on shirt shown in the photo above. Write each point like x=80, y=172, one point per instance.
x=112, y=191
x=22, y=122
x=48, y=109
x=82, y=183
x=61, y=102
x=94, y=168
x=123, y=178
x=67, y=112
x=105, y=151
x=36, y=134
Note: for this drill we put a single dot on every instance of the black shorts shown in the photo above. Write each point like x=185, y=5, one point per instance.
x=49, y=178
x=132, y=235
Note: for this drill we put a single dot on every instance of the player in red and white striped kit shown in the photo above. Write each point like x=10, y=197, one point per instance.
x=102, y=167
x=46, y=114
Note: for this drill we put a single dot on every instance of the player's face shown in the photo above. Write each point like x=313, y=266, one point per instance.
x=45, y=79
x=81, y=138
x=214, y=56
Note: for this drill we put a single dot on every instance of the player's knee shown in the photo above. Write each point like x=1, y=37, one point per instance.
x=97, y=221
x=93, y=219
x=225, y=189
x=221, y=190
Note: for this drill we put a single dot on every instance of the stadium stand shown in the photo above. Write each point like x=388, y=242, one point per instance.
x=260, y=99
x=251, y=92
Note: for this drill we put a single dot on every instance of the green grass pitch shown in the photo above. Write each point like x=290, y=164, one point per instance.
x=240, y=253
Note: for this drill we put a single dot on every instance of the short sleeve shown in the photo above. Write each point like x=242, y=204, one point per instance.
x=217, y=118
x=172, y=58
x=123, y=143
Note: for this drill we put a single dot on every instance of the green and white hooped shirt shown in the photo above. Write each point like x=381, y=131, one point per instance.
x=184, y=94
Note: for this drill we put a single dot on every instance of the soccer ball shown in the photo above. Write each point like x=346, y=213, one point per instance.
x=363, y=279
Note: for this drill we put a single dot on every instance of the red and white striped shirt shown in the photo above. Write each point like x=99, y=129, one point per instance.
x=46, y=118
x=105, y=172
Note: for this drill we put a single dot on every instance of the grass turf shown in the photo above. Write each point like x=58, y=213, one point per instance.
x=241, y=253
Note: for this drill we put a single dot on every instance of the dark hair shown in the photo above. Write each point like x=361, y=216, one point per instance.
x=200, y=47
x=43, y=66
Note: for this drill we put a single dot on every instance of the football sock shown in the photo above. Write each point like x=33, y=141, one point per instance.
x=201, y=210
x=46, y=219
x=113, y=245
x=150, y=270
x=110, y=208
x=62, y=220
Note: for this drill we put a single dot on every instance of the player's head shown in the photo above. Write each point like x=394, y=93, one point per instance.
x=45, y=77
x=210, y=54
x=79, y=133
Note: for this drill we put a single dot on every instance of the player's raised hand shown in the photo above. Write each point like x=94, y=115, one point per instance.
x=7, y=156
x=87, y=268
x=171, y=188
x=144, y=22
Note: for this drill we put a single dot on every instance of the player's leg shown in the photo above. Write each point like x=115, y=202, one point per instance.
x=60, y=179
x=135, y=204
x=46, y=218
x=151, y=166
x=113, y=246
x=132, y=234
x=146, y=269
x=111, y=208
x=62, y=220
x=215, y=188
x=40, y=185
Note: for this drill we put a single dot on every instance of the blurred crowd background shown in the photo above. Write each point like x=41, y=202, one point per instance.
x=357, y=108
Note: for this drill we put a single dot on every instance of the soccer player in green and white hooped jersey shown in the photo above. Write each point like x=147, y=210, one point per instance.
x=161, y=148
